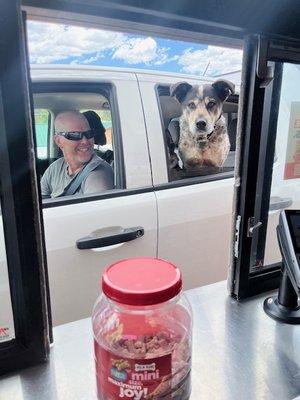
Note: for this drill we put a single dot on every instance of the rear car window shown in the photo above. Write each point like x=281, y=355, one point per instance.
x=171, y=112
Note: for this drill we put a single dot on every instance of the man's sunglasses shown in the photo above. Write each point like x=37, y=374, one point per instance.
x=77, y=135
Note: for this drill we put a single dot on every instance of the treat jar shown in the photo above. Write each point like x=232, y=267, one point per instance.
x=142, y=326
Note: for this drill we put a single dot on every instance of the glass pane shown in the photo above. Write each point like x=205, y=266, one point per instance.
x=285, y=191
x=6, y=314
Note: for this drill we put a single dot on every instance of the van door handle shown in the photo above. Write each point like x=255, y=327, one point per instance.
x=128, y=234
x=279, y=203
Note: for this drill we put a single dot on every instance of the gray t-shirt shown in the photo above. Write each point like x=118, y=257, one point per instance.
x=56, y=178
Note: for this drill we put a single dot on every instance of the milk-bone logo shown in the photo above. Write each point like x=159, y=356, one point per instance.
x=141, y=372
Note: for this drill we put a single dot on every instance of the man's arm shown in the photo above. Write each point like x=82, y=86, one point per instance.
x=45, y=185
x=98, y=180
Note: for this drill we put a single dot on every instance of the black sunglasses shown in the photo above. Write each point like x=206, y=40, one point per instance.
x=77, y=135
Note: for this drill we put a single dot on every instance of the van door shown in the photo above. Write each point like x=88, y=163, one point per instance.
x=194, y=213
x=74, y=273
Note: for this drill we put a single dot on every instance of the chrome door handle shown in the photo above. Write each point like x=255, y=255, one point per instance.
x=91, y=242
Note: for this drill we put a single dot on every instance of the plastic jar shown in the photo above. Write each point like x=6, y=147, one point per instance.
x=142, y=327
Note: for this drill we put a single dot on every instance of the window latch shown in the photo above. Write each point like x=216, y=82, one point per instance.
x=252, y=227
x=263, y=70
x=237, y=236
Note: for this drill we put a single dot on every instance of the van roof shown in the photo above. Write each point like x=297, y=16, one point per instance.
x=56, y=70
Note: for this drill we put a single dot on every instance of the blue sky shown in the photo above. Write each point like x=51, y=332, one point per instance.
x=61, y=44
x=174, y=49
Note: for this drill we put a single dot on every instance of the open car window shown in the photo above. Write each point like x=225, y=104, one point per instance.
x=174, y=117
x=95, y=106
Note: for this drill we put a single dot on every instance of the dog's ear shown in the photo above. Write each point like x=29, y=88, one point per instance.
x=179, y=90
x=223, y=88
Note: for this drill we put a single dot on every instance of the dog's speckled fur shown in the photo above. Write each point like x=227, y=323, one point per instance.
x=203, y=140
x=212, y=152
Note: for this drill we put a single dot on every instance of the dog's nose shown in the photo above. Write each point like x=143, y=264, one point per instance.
x=201, y=124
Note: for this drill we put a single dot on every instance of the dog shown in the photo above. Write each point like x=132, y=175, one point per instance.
x=203, y=139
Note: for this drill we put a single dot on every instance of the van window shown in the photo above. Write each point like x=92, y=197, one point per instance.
x=197, y=156
x=51, y=154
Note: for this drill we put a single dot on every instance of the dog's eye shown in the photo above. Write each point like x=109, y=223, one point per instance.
x=192, y=105
x=211, y=104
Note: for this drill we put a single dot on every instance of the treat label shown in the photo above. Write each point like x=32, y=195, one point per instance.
x=136, y=379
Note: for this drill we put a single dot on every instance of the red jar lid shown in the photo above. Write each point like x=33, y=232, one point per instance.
x=141, y=281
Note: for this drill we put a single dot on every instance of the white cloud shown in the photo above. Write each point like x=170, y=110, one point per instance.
x=163, y=56
x=93, y=58
x=218, y=59
x=52, y=42
x=140, y=50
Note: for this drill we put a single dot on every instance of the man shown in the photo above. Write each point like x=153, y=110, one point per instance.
x=74, y=137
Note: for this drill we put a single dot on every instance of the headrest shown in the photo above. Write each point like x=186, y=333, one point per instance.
x=174, y=131
x=170, y=109
x=96, y=124
x=232, y=133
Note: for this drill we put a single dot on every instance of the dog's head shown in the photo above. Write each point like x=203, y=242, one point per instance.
x=202, y=105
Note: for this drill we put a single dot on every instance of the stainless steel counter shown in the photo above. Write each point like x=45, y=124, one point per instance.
x=239, y=353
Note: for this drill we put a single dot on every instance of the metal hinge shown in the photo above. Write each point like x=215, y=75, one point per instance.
x=252, y=227
x=263, y=70
x=237, y=236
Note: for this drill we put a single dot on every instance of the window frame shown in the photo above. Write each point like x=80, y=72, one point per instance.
x=108, y=90
x=126, y=17
x=20, y=206
x=192, y=179
x=253, y=195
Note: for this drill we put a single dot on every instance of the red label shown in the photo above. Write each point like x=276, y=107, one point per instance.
x=136, y=379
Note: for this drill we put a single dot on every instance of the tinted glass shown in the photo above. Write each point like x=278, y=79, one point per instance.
x=285, y=190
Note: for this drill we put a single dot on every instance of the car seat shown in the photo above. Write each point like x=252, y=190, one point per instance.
x=232, y=133
x=100, y=139
x=230, y=161
x=96, y=125
x=171, y=111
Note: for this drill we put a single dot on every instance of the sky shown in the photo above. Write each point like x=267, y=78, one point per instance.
x=60, y=44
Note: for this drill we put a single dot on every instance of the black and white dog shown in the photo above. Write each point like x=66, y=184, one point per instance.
x=203, y=140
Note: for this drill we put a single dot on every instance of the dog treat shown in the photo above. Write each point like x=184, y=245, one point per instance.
x=147, y=346
x=142, y=350
x=120, y=364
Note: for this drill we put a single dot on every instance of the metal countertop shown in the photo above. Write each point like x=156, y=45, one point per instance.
x=238, y=353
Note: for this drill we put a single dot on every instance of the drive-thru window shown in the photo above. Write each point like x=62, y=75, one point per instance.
x=204, y=223
x=137, y=144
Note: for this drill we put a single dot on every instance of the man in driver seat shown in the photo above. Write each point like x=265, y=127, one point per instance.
x=80, y=170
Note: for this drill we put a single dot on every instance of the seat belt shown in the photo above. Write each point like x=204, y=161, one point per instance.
x=74, y=185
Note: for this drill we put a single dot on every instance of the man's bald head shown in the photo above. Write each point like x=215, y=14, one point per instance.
x=68, y=121
x=76, y=152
